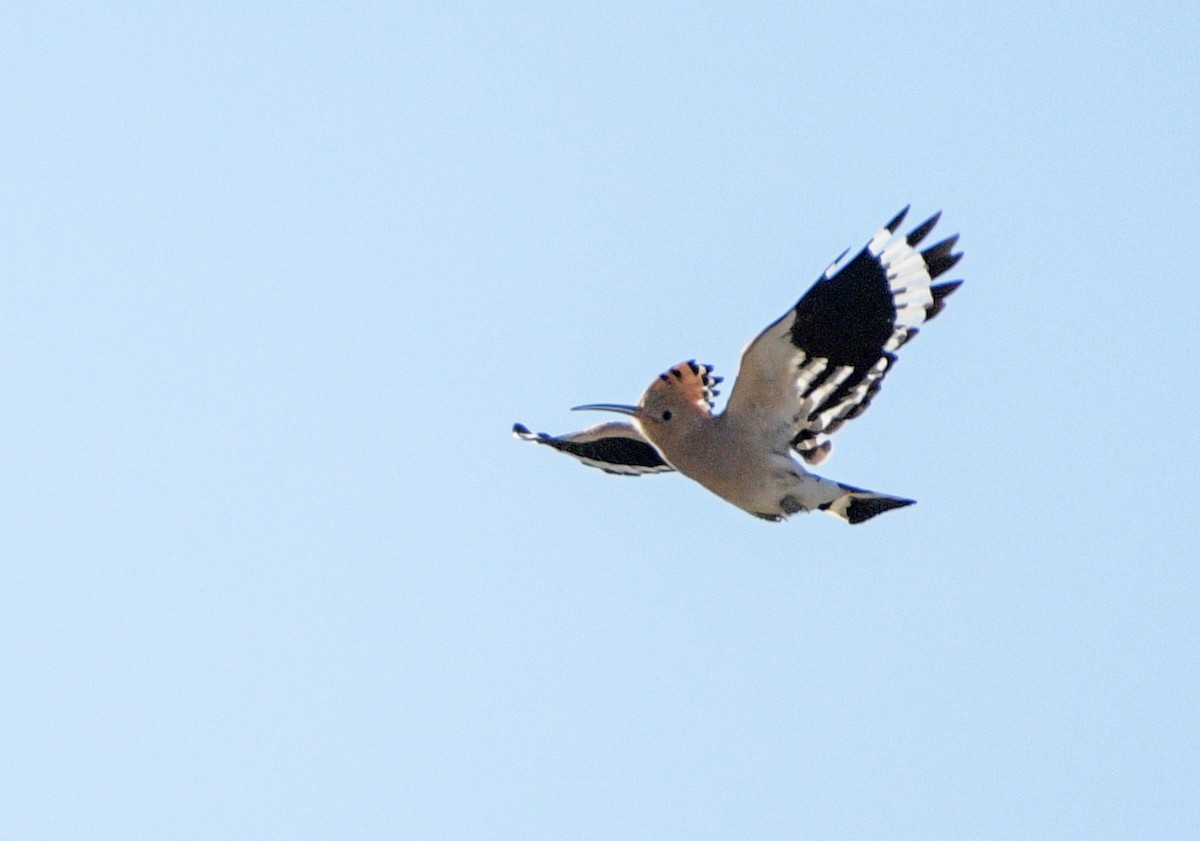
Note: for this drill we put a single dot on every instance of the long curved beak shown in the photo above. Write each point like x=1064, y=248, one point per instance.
x=606, y=407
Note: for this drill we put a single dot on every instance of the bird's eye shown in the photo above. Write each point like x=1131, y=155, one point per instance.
x=666, y=415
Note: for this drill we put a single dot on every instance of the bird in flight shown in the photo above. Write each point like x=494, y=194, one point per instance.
x=799, y=380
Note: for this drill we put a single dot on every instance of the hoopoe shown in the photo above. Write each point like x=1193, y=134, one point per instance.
x=799, y=380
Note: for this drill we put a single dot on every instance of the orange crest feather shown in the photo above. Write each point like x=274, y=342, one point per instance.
x=694, y=383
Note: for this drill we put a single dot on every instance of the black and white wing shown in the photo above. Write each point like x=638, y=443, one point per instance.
x=821, y=364
x=614, y=447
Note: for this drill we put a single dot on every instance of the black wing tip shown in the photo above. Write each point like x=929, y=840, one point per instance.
x=921, y=231
x=523, y=433
x=941, y=258
x=940, y=293
x=897, y=219
x=944, y=290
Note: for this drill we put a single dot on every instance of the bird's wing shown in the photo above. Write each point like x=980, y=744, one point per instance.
x=614, y=447
x=821, y=363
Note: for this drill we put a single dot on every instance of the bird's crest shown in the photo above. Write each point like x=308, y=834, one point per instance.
x=691, y=382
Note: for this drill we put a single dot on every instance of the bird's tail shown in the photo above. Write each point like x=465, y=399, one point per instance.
x=857, y=506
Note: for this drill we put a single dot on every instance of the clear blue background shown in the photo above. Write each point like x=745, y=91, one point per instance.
x=277, y=279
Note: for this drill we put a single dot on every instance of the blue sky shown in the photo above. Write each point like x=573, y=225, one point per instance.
x=278, y=278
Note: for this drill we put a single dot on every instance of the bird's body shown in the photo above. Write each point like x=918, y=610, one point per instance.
x=766, y=482
x=720, y=455
x=799, y=380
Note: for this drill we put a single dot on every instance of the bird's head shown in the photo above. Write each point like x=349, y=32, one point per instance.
x=677, y=399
